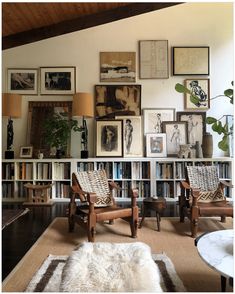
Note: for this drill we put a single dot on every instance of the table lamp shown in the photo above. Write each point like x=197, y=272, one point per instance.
x=11, y=107
x=83, y=106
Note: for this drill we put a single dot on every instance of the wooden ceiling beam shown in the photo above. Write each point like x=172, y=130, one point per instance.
x=81, y=23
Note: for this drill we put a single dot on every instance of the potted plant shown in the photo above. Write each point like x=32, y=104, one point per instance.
x=57, y=131
x=216, y=123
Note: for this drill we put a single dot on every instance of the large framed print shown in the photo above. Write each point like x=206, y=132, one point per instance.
x=109, y=138
x=176, y=135
x=22, y=81
x=113, y=100
x=155, y=145
x=132, y=136
x=191, y=60
x=153, y=59
x=201, y=89
x=153, y=118
x=118, y=67
x=196, y=122
x=57, y=80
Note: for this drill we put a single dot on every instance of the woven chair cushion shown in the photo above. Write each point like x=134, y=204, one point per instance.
x=206, y=179
x=96, y=182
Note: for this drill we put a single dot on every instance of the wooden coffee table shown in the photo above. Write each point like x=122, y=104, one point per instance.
x=156, y=204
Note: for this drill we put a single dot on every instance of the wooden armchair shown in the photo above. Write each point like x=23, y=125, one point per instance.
x=202, y=194
x=97, y=203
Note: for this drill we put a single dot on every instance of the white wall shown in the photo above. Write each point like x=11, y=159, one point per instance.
x=190, y=24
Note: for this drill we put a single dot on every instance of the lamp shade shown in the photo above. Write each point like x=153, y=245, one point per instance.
x=11, y=105
x=83, y=105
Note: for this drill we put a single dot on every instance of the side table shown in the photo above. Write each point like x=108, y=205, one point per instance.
x=156, y=204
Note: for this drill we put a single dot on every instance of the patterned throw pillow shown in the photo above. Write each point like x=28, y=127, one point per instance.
x=96, y=181
x=211, y=196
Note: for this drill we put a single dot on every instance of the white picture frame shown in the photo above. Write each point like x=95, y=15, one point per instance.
x=156, y=145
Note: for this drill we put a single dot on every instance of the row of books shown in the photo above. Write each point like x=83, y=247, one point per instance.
x=85, y=166
x=165, y=189
x=43, y=171
x=8, y=171
x=62, y=189
x=25, y=171
x=7, y=190
x=61, y=170
x=164, y=170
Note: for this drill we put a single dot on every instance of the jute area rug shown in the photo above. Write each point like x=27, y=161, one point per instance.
x=174, y=240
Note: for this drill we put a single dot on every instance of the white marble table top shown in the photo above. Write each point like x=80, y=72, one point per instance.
x=216, y=249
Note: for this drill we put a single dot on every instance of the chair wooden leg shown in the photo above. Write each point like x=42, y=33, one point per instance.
x=111, y=221
x=223, y=219
x=91, y=234
x=71, y=223
x=194, y=227
x=134, y=222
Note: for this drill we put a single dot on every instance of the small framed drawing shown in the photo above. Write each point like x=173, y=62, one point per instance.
x=132, y=136
x=153, y=59
x=155, y=145
x=109, y=138
x=176, y=135
x=191, y=60
x=153, y=118
x=118, y=67
x=196, y=122
x=112, y=100
x=26, y=152
x=57, y=80
x=201, y=89
x=22, y=81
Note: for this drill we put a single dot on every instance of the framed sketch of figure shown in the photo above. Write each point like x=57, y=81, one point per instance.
x=155, y=145
x=109, y=138
x=132, y=136
x=176, y=135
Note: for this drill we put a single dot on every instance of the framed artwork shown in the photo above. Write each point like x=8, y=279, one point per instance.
x=109, y=138
x=26, y=152
x=57, y=80
x=191, y=60
x=201, y=89
x=153, y=59
x=113, y=100
x=132, y=136
x=38, y=112
x=176, y=135
x=118, y=67
x=22, y=81
x=196, y=123
x=153, y=118
x=155, y=145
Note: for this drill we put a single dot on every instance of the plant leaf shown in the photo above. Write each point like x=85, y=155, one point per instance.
x=223, y=144
x=181, y=88
x=210, y=120
x=194, y=99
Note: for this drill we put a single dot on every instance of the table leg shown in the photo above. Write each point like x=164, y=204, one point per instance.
x=158, y=221
x=143, y=216
x=223, y=283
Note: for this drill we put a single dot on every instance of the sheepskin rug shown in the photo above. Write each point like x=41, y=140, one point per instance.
x=111, y=267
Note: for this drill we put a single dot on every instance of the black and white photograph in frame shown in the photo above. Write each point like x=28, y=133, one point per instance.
x=22, y=81
x=118, y=67
x=196, y=122
x=176, y=135
x=57, y=80
x=113, y=100
x=132, y=136
x=153, y=118
x=201, y=89
x=109, y=138
x=156, y=145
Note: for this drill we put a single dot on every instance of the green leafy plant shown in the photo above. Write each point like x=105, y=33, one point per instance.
x=216, y=123
x=57, y=130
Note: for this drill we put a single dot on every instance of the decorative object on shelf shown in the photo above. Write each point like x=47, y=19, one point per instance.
x=58, y=80
x=117, y=67
x=109, y=138
x=40, y=155
x=153, y=59
x=132, y=136
x=11, y=107
x=153, y=118
x=22, y=81
x=26, y=152
x=113, y=100
x=38, y=113
x=207, y=145
x=83, y=105
x=176, y=135
x=155, y=145
x=185, y=151
x=38, y=194
x=191, y=60
x=217, y=126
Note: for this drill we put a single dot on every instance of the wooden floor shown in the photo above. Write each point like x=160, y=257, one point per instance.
x=19, y=236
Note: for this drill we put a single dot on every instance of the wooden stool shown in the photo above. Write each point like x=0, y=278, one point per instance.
x=38, y=194
x=157, y=205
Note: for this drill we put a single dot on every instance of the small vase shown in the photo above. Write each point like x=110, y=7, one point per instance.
x=207, y=145
x=59, y=153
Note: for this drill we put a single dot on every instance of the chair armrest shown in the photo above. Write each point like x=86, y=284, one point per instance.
x=113, y=185
x=78, y=193
x=226, y=184
x=185, y=185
